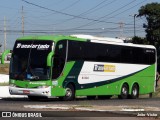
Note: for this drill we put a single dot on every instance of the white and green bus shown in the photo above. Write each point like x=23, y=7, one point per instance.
x=80, y=65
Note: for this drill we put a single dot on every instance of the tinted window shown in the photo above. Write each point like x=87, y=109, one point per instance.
x=89, y=51
x=126, y=55
x=59, y=59
x=149, y=56
x=29, y=60
x=75, y=50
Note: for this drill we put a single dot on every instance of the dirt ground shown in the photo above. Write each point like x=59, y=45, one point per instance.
x=4, y=69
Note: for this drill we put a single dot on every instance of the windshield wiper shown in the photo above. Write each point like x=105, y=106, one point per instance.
x=34, y=77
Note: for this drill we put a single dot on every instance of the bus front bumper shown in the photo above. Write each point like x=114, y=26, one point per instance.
x=44, y=92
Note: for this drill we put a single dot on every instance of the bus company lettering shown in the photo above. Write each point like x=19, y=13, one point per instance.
x=104, y=68
x=38, y=46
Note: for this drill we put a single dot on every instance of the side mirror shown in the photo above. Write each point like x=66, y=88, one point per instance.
x=49, y=59
x=4, y=55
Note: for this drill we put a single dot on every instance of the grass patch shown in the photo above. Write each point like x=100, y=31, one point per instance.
x=5, y=65
x=4, y=68
x=4, y=84
x=85, y=104
x=157, y=93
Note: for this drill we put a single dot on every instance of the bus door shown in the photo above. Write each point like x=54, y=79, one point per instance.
x=59, y=59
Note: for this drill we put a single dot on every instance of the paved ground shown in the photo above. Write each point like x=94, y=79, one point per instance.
x=114, y=107
x=144, y=102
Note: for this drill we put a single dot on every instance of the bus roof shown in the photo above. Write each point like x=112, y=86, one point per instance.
x=105, y=39
x=80, y=37
x=51, y=37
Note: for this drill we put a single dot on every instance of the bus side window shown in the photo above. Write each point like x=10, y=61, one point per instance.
x=126, y=55
x=59, y=59
x=138, y=55
x=149, y=56
x=75, y=51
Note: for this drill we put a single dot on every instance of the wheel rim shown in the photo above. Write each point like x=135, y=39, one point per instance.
x=124, y=91
x=68, y=92
x=134, y=92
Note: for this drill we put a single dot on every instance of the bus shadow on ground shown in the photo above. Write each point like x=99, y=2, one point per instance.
x=77, y=99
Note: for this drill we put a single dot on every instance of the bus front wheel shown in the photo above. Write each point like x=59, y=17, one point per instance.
x=124, y=92
x=70, y=93
x=35, y=98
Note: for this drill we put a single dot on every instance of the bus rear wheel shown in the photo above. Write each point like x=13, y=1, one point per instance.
x=124, y=92
x=70, y=93
x=134, y=92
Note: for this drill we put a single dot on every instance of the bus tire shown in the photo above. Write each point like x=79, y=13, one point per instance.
x=124, y=92
x=91, y=97
x=103, y=97
x=70, y=93
x=33, y=98
x=36, y=98
x=150, y=95
x=134, y=92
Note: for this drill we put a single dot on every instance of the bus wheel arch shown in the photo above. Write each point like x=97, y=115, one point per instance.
x=134, y=91
x=69, y=92
x=124, y=91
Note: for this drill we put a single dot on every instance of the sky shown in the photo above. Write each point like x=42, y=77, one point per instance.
x=110, y=18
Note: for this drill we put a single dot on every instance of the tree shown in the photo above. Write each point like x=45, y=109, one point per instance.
x=152, y=14
x=139, y=40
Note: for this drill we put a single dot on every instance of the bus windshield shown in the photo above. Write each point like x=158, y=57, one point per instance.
x=29, y=60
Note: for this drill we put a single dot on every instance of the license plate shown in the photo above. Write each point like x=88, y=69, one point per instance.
x=26, y=91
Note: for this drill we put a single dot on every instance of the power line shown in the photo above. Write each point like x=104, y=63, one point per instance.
x=94, y=22
x=94, y=7
x=71, y=5
x=88, y=11
x=127, y=9
x=67, y=14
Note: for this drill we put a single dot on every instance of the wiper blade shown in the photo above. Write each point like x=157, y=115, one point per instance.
x=34, y=77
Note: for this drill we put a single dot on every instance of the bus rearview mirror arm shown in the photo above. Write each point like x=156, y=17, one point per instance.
x=49, y=59
x=4, y=55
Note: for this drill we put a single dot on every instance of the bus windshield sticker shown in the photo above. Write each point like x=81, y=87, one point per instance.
x=33, y=46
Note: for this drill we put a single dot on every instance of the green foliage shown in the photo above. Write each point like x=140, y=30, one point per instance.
x=139, y=40
x=151, y=12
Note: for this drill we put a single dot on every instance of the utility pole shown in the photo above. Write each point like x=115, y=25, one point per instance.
x=135, y=15
x=121, y=25
x=22, y=21
x=5, y=34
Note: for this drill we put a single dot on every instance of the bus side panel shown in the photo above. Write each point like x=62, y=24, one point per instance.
x=58, y=85
x=144, y=78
